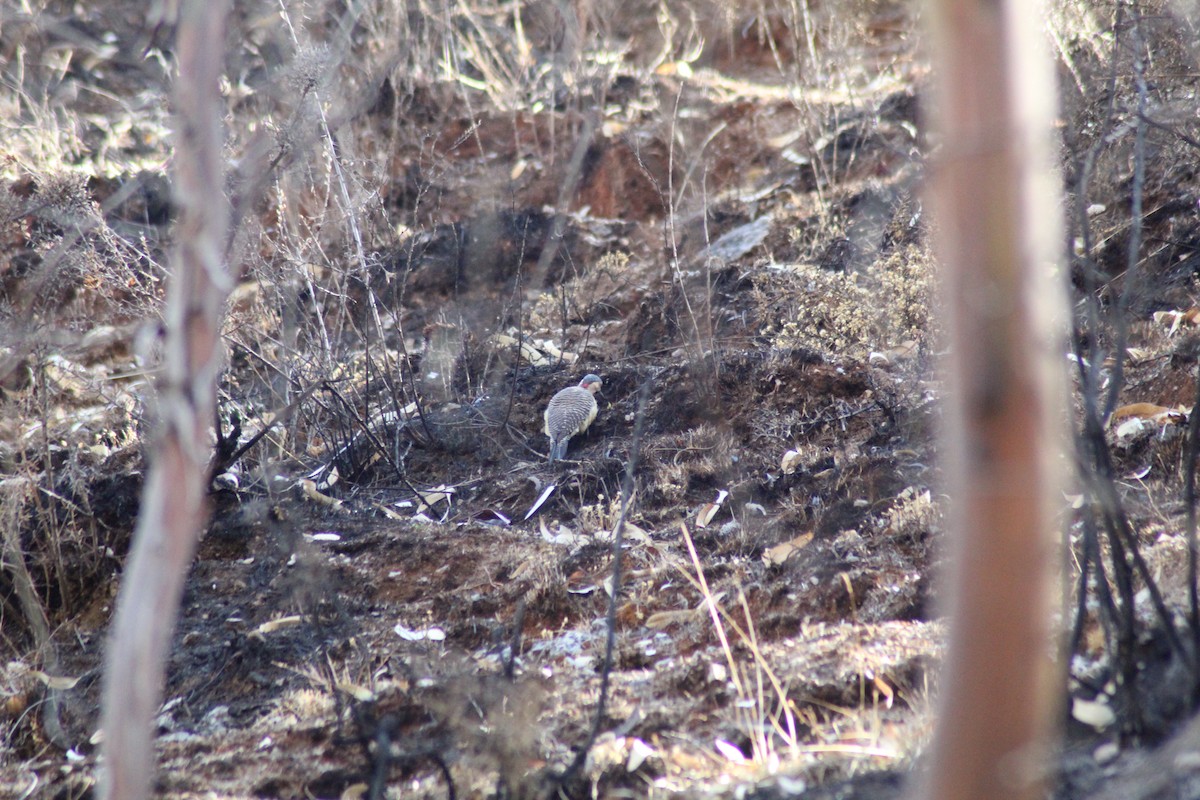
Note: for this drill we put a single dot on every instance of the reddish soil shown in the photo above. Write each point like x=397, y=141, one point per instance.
x=738, y=250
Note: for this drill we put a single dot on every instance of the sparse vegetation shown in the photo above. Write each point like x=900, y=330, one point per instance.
x=439, y=210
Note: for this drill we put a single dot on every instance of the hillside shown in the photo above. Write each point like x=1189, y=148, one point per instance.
x=443, y=214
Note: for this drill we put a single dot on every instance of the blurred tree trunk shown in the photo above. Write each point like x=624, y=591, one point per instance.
x=995, y=202
x=173, y=509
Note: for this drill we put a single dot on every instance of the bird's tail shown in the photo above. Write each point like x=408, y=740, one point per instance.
x=558, y=450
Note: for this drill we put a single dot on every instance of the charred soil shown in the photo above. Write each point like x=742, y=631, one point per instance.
x=714, y=212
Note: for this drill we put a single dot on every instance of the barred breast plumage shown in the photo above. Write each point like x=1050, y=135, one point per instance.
x=570, y=411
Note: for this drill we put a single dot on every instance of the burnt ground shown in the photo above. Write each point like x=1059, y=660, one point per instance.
x=719, y=216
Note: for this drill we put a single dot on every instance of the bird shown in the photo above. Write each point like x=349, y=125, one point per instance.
x=571, y=411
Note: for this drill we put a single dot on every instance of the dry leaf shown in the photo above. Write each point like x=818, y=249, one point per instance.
x=663, y=619
x=885, y=690
x=639, y=751
x=889, y=357
x=525, y=349
x=556, y=354
x=1173, y=319
x=1134, y=418
x=1138, y=355
x=309, y=490
x=735, y=243
x=54, y=681
x=730, y=751
x=360, y=693
x=1131, y=427
x=1139, y=410
x=1106, y=752
x=387, y=512
x=410, y=635
x=1092, y=712
x=435, y=496
x=1137, y=475
x=631, y=531
x=781, y=552
x=790, y=462
x=490, y=516
x=707, y=512
x=564, y=538
x=270, y=626
x=549, y=490
x=14, y=705
x=579, y=583
x=710, y=510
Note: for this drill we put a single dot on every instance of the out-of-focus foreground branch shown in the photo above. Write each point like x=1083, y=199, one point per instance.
x=173, y=499
x=999, y=238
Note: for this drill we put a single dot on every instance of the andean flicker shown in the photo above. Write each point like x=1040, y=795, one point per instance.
x=570, y=411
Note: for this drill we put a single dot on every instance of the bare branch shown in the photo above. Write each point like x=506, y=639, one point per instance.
x=173, y=507
x=998, y=233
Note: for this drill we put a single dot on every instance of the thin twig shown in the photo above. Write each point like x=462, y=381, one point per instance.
x=1135, y=234
x=614, y=598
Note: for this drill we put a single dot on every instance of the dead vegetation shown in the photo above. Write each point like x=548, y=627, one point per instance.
x=444, y=213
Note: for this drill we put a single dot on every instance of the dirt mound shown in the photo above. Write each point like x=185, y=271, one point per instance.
x=442, y=220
